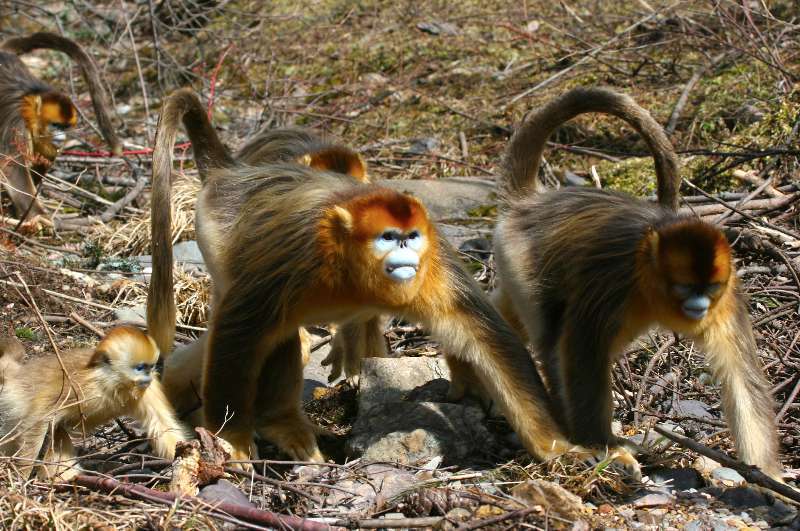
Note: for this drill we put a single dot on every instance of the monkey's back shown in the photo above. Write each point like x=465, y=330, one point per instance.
x=572, y=253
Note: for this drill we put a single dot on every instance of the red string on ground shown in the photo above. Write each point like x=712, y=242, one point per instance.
x=183, y=147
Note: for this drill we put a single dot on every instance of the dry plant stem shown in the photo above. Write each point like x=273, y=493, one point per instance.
x=496, y=520
x=637, y=417
x=139, y=70
x=132, y=194
x=248, y=514
x=757, y=181
x=86, y=324
x=593, y=52
x=749, y=472
x=394, y=523
x=684, y=97
x=274, y=482
x=743, y=214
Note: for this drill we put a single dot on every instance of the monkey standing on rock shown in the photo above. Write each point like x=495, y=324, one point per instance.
x=93, y=387
x=294, y=245
x=33, y=117
x=586, y=271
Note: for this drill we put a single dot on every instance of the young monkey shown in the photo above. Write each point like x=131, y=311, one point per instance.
x=114, y=379
x=586, y=271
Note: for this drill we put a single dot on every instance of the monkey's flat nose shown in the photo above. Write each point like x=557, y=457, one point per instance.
x=696, y=307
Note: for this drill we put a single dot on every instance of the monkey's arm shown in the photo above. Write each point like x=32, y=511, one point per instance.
x=18, y=183
x=746, y=400
x=155, y=413
x=352, y=342
x=470, y=329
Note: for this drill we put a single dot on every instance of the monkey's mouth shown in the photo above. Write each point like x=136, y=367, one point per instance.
x=401, y=272
x=696, y=307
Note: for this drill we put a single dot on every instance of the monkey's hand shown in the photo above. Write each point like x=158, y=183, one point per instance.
x=343, y=356
x=35, y=224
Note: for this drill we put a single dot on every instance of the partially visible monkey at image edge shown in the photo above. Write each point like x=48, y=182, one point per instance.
x=34, y=115
x=114, y=379
x=298, y=245
x=586, y=271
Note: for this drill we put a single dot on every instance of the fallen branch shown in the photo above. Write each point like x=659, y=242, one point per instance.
x=749, y=472
x=249, y=514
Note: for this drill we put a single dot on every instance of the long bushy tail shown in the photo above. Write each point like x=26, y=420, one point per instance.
x=181, y=106
x=50, y=41
x=524, y=153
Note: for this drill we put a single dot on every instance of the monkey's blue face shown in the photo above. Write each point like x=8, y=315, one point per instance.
x=400, y=252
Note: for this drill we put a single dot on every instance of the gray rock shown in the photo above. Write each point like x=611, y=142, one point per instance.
x=705, y=465
x=653, y=498
x=779, y=513
x=653, y=440
x=188, y=254
x=385, y=380
x=448, y=198
x=720, y=525
x=742, y=497
x=694, y=525
x=421, y=146
x=411, y=432
x=677, y=478
x=132, y=314
x=359, y=492
x=651, y=516
x=460, y=236
x=726, y=477
x=438, y=28
x=314, y=374
x=691, y=408
x=224, y=491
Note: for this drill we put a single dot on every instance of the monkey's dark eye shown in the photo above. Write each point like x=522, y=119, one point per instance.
x=388, y=236
x=142, y=367
x=413, y=235
x=682, y=290
x=714, y=288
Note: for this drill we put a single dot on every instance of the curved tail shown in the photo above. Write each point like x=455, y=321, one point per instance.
x=50, y=41
x=524, y=153
x=181, y=106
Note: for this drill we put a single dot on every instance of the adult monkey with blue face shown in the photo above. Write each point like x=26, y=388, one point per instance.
x=296, y=244
x=583, y=272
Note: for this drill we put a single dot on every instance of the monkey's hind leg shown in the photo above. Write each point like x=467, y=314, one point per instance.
x=585, y=388
x=281, y=419
x=61, y=461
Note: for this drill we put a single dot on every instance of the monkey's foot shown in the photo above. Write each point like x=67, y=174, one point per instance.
x=294, y=435
x=617, y=457
x=242, y=448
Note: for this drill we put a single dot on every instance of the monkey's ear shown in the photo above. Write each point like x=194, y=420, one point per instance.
x=653, y=242
x=342, y=218
x=99, y=357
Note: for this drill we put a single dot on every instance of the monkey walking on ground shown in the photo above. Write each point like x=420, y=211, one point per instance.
x=183, y=368
x=295, y=245
x=586, y=271
x=114, y=379
x=33, y=117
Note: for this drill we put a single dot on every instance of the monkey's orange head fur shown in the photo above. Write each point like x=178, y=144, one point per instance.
x=693, y=259
x=381, y=241
x=49, y=108
x=127, y=356
x=338, y=159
